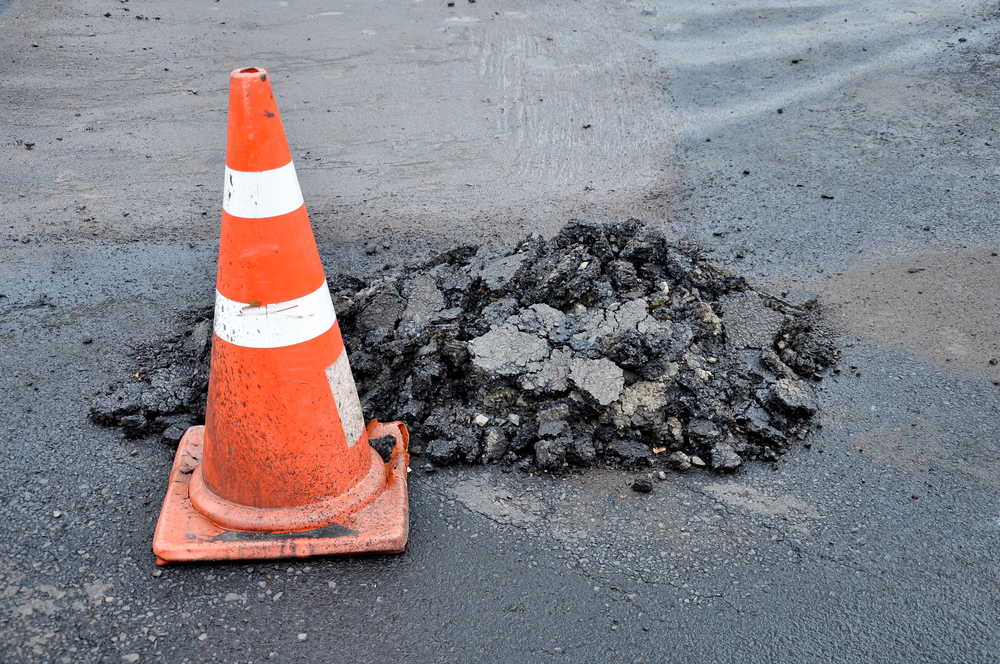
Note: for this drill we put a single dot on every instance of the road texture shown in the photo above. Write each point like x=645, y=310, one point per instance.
x=839, y=149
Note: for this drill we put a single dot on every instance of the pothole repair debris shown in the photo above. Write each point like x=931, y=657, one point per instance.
x=606, y=344
x=168, y=391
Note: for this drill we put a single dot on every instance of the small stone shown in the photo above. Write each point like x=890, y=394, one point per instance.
x=559, y=412
x=303, y=636
x=277, y=596
x=623, y=275
x=203, y=636
x=826, y=196
x=696, y=461
x=679, y=461
x=793, y=396
x=702, y=430
x=662, y=475
x=707, y=318
x=552, y=429
x=132, y=657
x=173, y=434
x=88, y=340
x=550, y=454
x=157, y=573
x=442, y=451
x=57, y=514
x=481, y=420
x=496, y=444
x=371, y=249
x=515, y=419
x=724, y=457
x=642, y=485
x=774, y=363
x=993, y=361
x=631, y=452
x=676, y=429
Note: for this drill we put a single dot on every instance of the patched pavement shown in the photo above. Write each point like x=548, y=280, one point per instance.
x=877, y=543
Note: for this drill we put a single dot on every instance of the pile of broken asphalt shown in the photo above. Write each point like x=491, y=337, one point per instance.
x=608, y=344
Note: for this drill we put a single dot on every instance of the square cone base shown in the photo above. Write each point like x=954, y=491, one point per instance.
x=183, y=534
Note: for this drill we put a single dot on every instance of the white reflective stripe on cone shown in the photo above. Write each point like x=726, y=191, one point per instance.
x=261, y=195
x=345, y=394
x=274, y=325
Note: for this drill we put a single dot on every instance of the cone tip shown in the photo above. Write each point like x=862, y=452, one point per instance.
x=249, y=72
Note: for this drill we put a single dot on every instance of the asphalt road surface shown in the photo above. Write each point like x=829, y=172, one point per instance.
x=840, y=149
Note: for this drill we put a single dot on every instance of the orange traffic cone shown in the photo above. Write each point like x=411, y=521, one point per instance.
x=282, y=467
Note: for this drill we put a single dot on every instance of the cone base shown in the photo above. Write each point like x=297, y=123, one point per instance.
x=184, y=534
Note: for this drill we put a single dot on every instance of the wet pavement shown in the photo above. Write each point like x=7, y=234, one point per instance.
x=876, y=544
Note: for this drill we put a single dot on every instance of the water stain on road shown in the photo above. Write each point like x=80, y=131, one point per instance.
x=759, y=502
x=945, y=306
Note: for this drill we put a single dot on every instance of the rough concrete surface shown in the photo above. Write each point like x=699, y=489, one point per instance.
x=426, y=125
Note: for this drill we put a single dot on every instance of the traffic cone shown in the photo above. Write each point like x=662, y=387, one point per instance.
x=282, y=467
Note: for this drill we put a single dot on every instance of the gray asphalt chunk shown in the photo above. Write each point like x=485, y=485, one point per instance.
x=749, y=323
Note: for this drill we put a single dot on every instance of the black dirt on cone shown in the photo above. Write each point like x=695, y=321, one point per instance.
x=606, y=344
